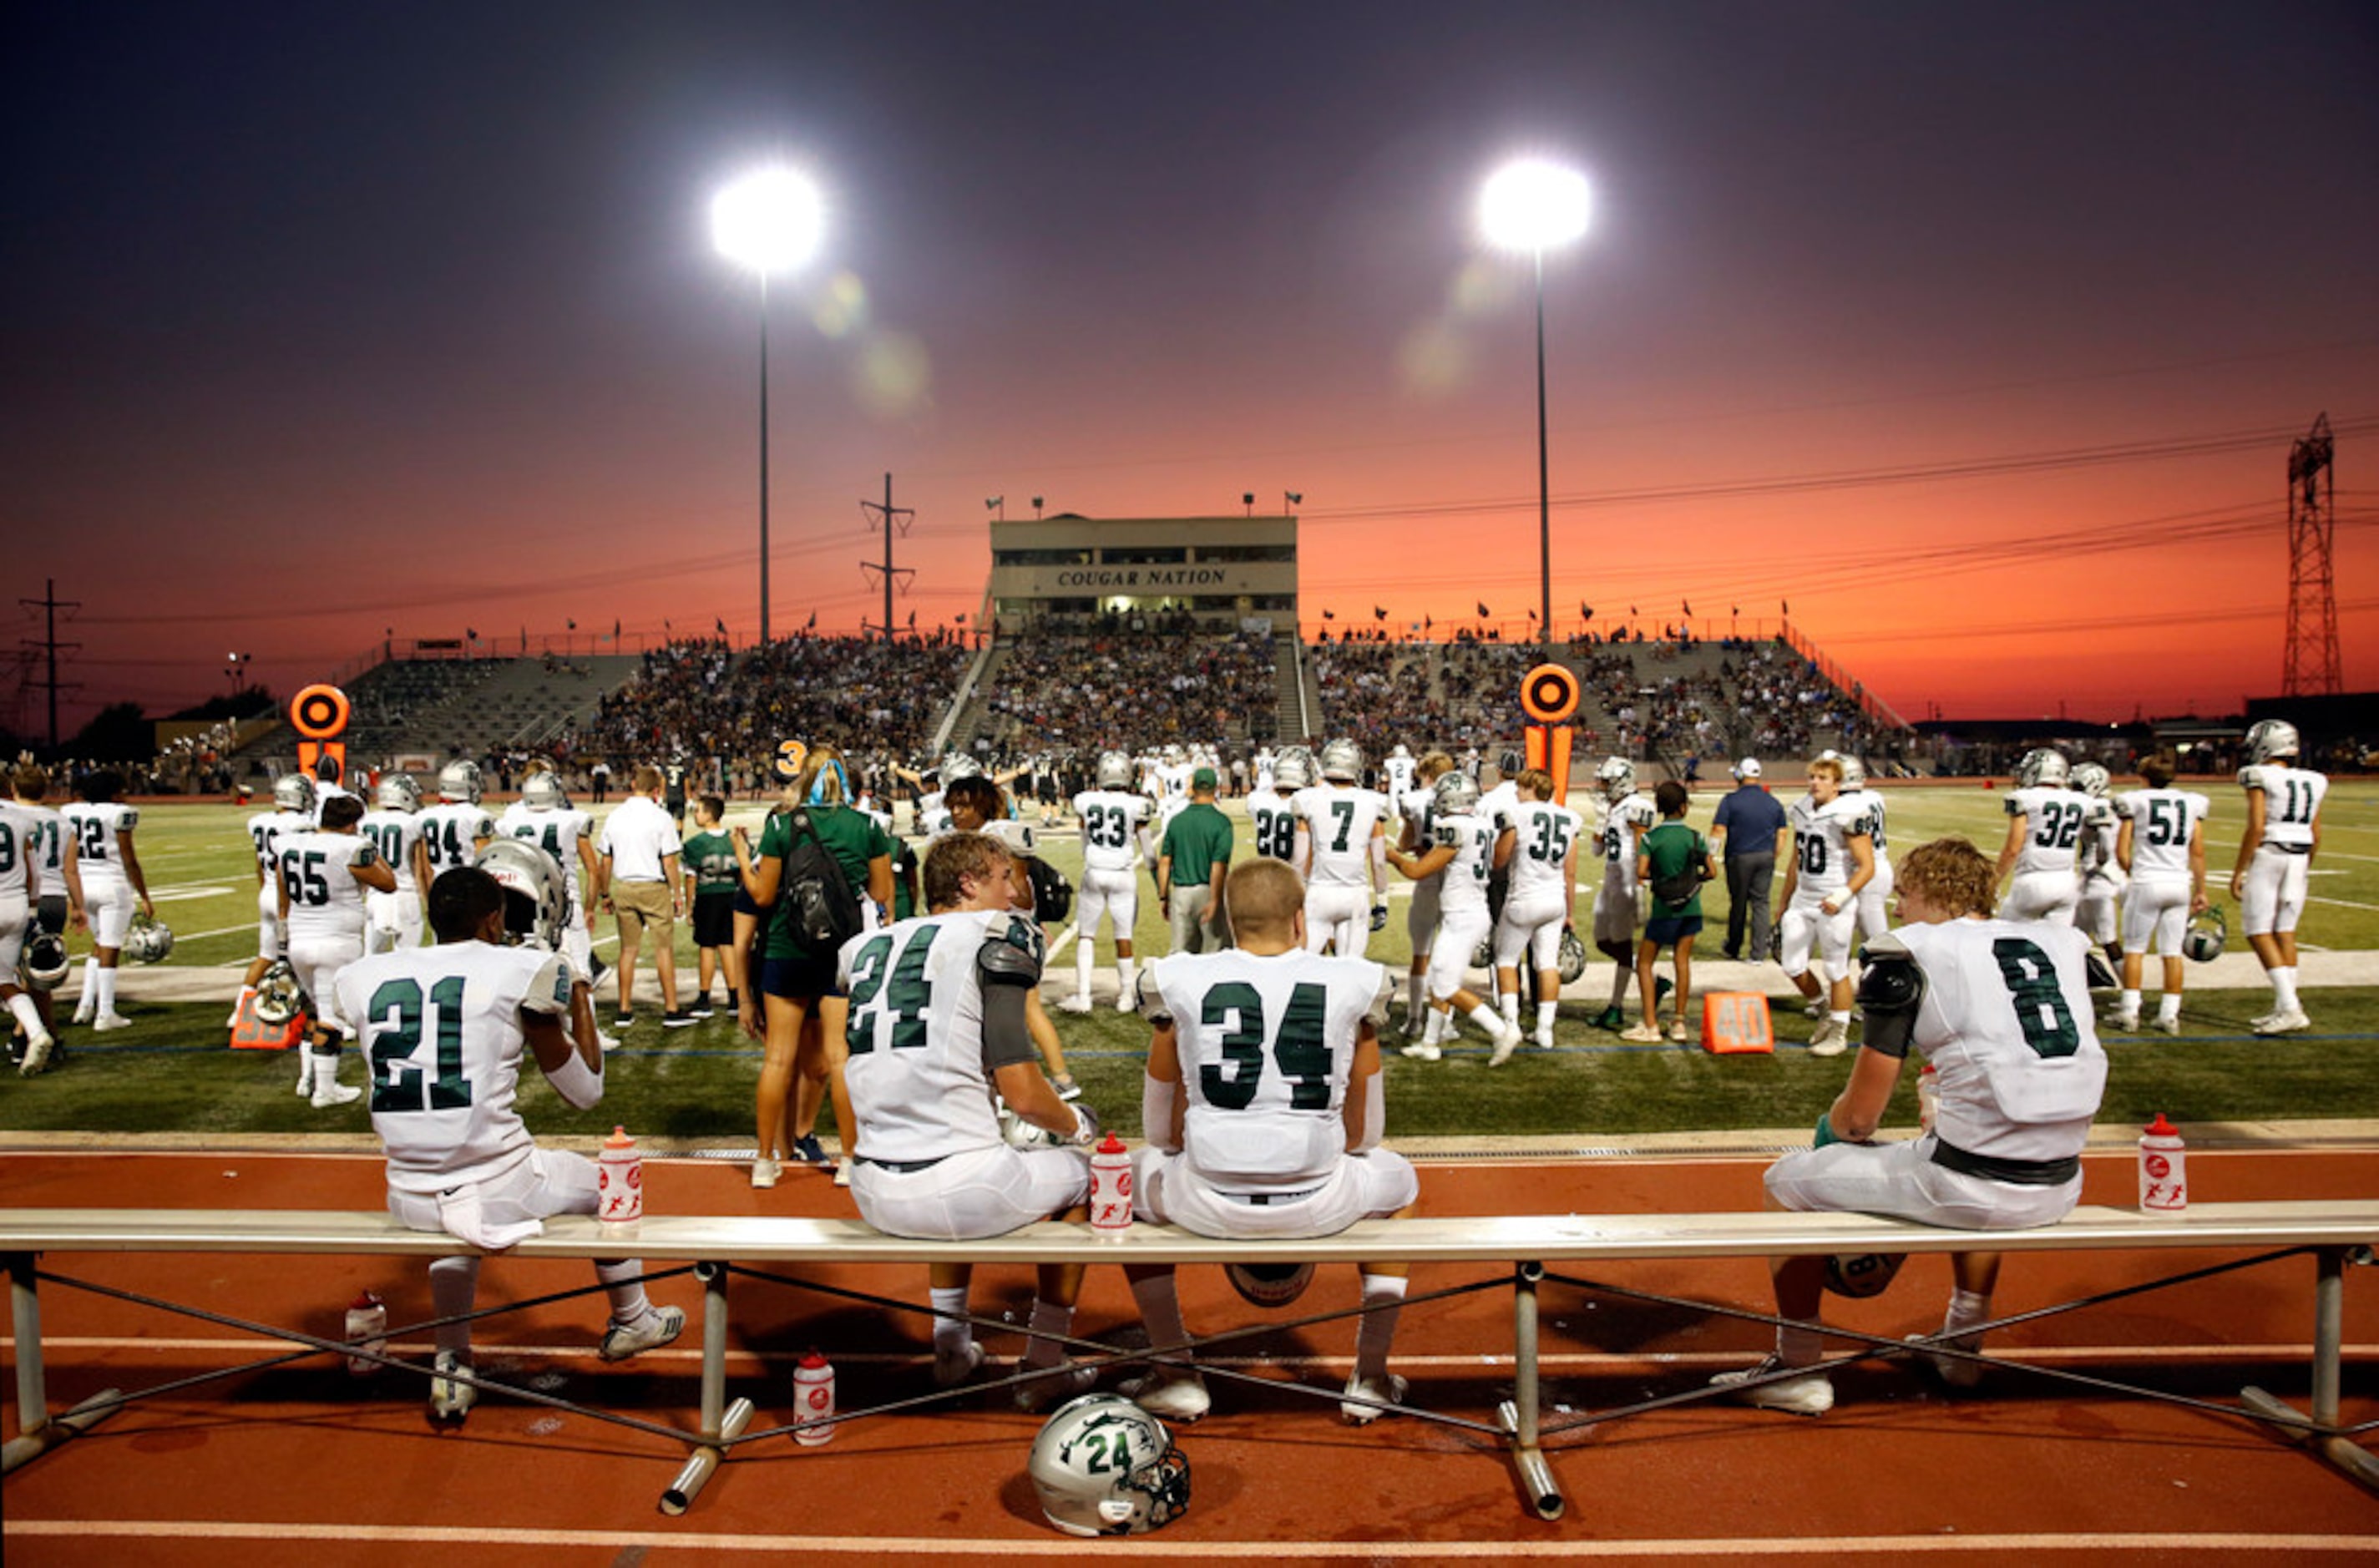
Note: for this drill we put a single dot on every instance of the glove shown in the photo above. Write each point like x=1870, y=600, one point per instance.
x=1380, y=915
x=1831, y=903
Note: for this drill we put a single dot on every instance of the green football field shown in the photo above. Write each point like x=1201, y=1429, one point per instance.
x=172, y=1071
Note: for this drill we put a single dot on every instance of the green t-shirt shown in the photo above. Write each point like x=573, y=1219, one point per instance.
x=711, y=858
x=1198, y=836
x=1673, y=847
x=851, y=836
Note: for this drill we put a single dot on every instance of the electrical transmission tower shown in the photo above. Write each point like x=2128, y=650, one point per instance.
x=900, y=517
x=2311, y=667
x=48, y=647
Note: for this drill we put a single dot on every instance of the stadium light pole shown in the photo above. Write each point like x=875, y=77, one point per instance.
x=770, y=223
x=1531, y=206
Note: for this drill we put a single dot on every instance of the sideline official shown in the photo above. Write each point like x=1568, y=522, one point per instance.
x=1748, y=820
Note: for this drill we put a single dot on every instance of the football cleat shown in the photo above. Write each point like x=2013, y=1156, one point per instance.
x=1458, y=794
x=2042, y=767
x=1617, y=776
x=450, y=1400
x=543, y=791
x=2271, y=737
x=2208, y=933
x=1103, y=1467
x=294, y=791
x=1388, y=1390
x=1812, y=1393
x=2092, y=779
x=459, y=780
x=1171, y=1394
x=656, y=1328
x=537, y=894
x=399, y=791
x=149, y=941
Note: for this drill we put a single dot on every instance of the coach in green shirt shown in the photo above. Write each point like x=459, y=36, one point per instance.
x=1190, y=864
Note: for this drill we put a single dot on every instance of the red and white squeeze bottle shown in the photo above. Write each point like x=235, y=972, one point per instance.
x=1929, y=1097
x=367, y=1329
x=2164, y=1169
x=813, y=1398
x=619, y=1181
x=1110, y=1189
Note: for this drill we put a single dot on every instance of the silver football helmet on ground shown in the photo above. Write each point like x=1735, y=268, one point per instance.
x=1115, y=771
x=2092, y=779
x=44, y=962
x=2271, y=738
x=537, y=894
x=2043, y=765
x=1292, y=770
x=1341, y=759
x=1103, y=1467
x=149, y=940
x=2208, y=933
x=399, y=791
x=1617, y=776
x=1458, y=793
x=543, y=791
x=460, y=782
x=279, y=997
x=294, y=791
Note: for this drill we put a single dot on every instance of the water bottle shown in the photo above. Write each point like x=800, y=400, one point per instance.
x=1110, y=1190
x=367, y=1329
x=619, y=1181
x=1929, y=1097
x=2164, y=1170
x=813, y=1398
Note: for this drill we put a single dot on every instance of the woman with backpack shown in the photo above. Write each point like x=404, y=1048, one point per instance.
x=822, y=874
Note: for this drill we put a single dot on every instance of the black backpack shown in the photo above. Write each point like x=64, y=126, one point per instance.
x=814, y=897
x=1675, y=889
x=1053, y=896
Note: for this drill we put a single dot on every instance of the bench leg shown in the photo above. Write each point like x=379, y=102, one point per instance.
x=1520, y=1412
x=721, y=1423
x=36, y=1432
x=2328, y=1336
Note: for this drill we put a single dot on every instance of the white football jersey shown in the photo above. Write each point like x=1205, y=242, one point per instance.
x=1544, y=834
x=325, y=900
x=20, y=877
x=46, y=840
x=1399, y=772
x=1822, y=842
x=2053, y=819
x=1267, y=1048
x=1499, y=804
x=1272, y=823
x=92, y=827
x=920, y=1089
x=1112, y=820
x=2291, y=801
x=2007, y=1021
x=1625, y=821
x=450, y=831
x=1264, y=768
x=1464, y=883
x=394, y=833
x=1871, y=804
x=1337, y=824
x=2094, y=854
x=1174, y=777
x=266, y=829
x=558, y=833
x=2163, y=821
x=442, y=1033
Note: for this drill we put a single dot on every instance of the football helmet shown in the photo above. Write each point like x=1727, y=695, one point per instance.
x=149, y=940
x=1115, y=771
x=399, y=791
x=537, y=895
x=1854, y=770
x=44, y=962
x=1269, y=1285
x=1617, y=776
x=1103, y=1467
x=279, y=997
x=459, y=780
x=2092, y=779
x=2208, y=933
x=1458, y=793
x=294, y=791
x=1341, y=759
x=2042, y=765
x=957, y=765
x=1860, y=1274
x=1292, y=770
x=2271, y=737
x=543, y=791
x=1400, y=749
x=1572, y=963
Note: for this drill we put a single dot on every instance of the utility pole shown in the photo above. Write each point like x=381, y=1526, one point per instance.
x=50, y=603
x=2309, y=668
x=892, y=516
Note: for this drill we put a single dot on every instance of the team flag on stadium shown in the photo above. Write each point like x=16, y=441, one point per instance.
x=1426, y=624
x=1482, y=612
x=615, y=628
x=912, y=621
x=1378, y=614
x=573, y=625
x=1585, y=611
x=1688, y=604
x=813, y=625
x=1329, y=615
x=1785, y=606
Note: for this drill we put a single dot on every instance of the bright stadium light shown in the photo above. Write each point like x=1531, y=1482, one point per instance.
x=1530, y=206
x=769, y=222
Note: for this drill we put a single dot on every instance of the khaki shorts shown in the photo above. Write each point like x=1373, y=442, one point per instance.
x=642, y=904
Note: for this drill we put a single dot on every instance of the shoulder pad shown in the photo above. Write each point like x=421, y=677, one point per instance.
x=1891, y=991
x=2251, y=778
x=1011, y=957
x=366, y=854
x=2016, y=805
x=127, y=820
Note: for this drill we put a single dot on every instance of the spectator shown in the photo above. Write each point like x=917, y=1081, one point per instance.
x=1748, y=820
x=639, y=879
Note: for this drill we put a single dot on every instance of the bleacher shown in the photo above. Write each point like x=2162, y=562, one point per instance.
x=1068, y=693
x=458, y=707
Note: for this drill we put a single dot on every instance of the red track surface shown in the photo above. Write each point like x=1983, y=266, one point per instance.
x=303, y=1465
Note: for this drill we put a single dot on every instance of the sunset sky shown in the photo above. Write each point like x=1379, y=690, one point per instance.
x=320, y=321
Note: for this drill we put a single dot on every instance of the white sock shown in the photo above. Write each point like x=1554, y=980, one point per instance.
x=87, y=999
x=2284, y=989
x=1546, y=1012
x=1049, y=1323
x=1509, y=1003
x=1489, y=1020
x=107, y=991
x=1127, y=972
x=453, y=1287
x=1842, y=1017
x=622, y=1284
x=1383, y=1300
x=1160, y=1312
x=951, y=1332
x=1438, y=1018
x=2168, y=1004
x=1799, y=1347
x=1966, y=1310
x=2131, y=1003
x=21, y=1006
x=1083, y=949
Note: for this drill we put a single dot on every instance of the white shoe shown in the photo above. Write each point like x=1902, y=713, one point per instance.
x=951, y=1370
x=2169, y=1025
x=1809, y=1394
x=1074, y=1004
x=1815, y=1009
x=1953, y=1372
x=2122, y=1022
x=330, y=1091
x=1388, y=1390
x=1544, y=1038
x=1643, y=1034
x=1832, y=1039
x=86, y=1007
x=106, y=1021
x=606, y=1042
x=656, y=1328
x=37, y=1054
x=1422, y=1051
x=1055, y=1386
x=765, y=1172
x=1505, y=1044
x=450, y=1400
x=2285, y=1022
x=1170, y=1393
x=1127, y=1004
x=842, y=1171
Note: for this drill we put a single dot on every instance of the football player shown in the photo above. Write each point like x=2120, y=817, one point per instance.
x=1875, y=898
x=1421, y=914
x=99, y=850
x=1832, y=858
x=1115, y=838
x=2094, y=860
x=1543, y=860
x=1626, y=815
x=2045, y=821
x=444, y=1030
x=394, y=825
x=545, y=817
x=1399, y=769
x=1235, y=1150
x=60, y=903
x=20, y=893
x=1464, y=848
x=455, y=829
x=324, y=874
x=937, y=1026
x=1341, y=852
x=2162, y=845
x=2275, y=860
x=2003, y=1010
x=1272, y=823
x=293, y=803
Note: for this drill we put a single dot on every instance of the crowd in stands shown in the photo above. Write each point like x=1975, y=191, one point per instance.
x=1376, y=694
x=1125, y=690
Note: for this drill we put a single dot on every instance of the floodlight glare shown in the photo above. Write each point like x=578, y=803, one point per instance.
x=769, y=222
x=1533, y=205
